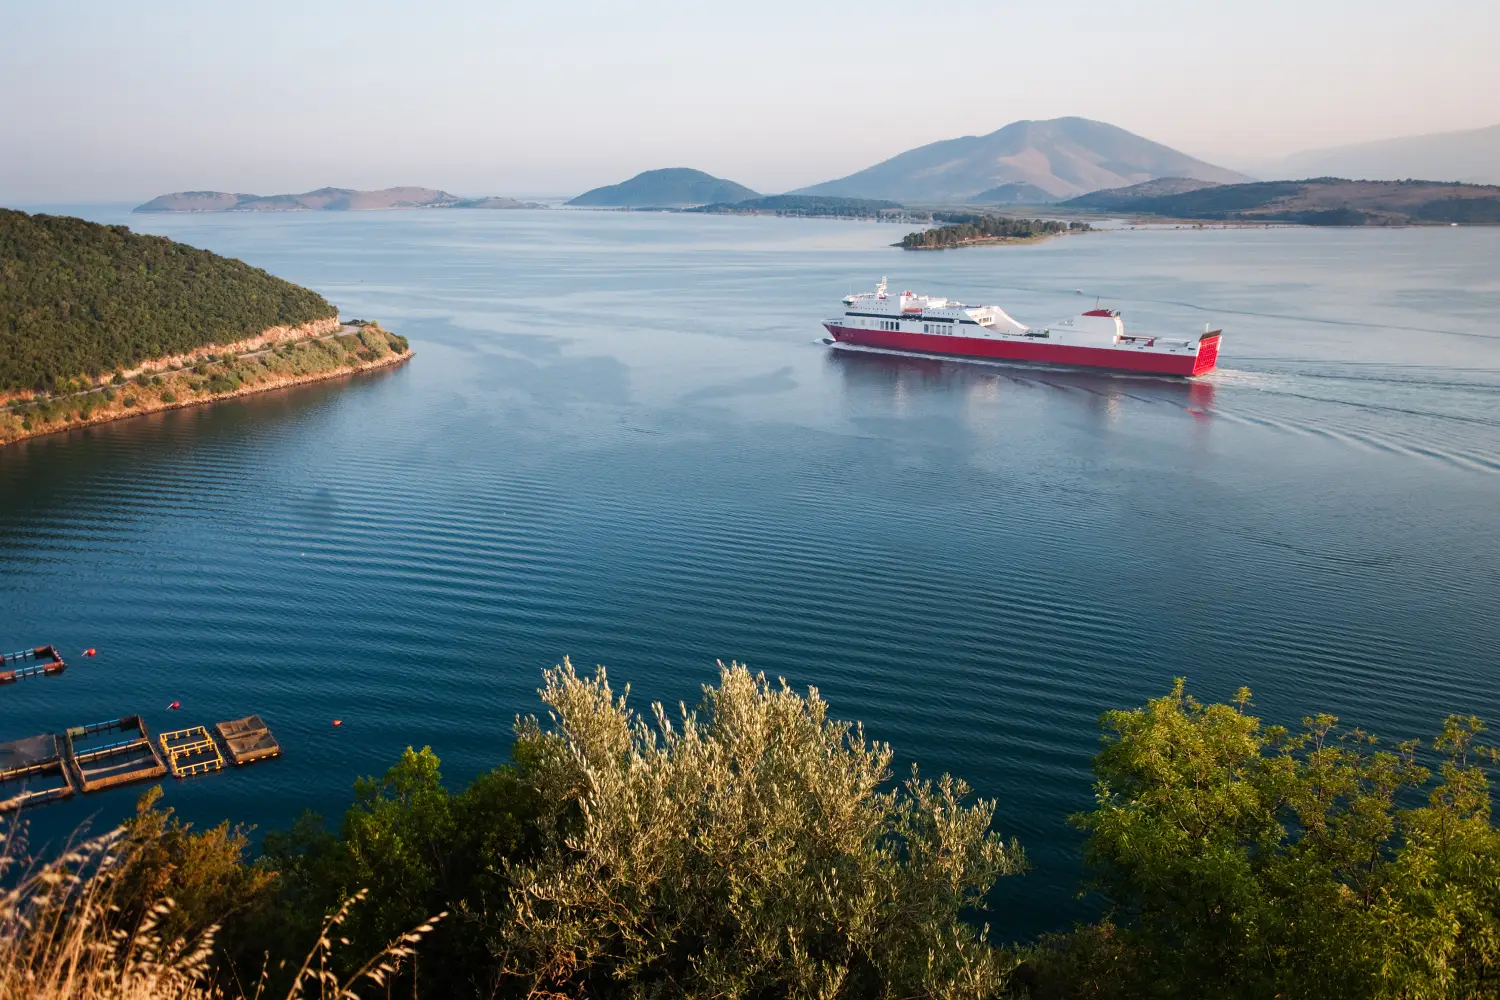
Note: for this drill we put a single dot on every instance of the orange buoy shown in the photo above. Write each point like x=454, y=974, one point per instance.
x=174, y=706
x=338, y=722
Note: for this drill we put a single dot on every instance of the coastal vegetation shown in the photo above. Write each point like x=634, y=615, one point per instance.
x=1322, y=201
x=756, y=847
x=808, y=205
x=79, y=300
x=78, y=401
x=969, y=229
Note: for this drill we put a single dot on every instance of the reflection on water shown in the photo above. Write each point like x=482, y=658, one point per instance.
x=905, y=373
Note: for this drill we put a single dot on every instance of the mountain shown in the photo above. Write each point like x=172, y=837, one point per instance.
x=1013, y=193
x=1115, y=199
x=674, y=187
x=328, y=199
x=1471, y=156
x=1323, y=201
x=1062, y=156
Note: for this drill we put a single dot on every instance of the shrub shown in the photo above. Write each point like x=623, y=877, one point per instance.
x=1247, y=860
x=128, y=401
x=748, y=849
x=99, y=923
x=169, y=396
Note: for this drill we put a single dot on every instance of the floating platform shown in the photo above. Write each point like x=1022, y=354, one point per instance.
x=97, y=758
x=46, y=768
x=248, y=740
x=32, y=772
x=41, y=661
x=191, y=751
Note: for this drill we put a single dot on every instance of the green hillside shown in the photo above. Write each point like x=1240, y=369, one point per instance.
x=1320, y=201
x=81, y=298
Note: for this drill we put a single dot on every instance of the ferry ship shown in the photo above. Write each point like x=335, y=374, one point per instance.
x=923, y=324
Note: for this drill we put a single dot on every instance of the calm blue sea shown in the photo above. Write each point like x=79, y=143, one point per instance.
x=621, y=441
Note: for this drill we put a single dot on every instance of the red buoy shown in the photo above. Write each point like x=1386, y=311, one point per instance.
x=89, y=651
x=338, y=722
x=174, y=706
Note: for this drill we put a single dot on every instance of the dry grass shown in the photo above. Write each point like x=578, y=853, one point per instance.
x=61, y=936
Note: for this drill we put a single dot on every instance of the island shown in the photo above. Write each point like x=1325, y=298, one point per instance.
x=671, y=187
x=326, y=199
x=806, y=206
x=98, y=323
x=964, y=229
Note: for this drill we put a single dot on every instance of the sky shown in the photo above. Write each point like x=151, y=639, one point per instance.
x=118, y=101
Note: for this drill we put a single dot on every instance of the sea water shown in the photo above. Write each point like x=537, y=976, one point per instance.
x=620, y=440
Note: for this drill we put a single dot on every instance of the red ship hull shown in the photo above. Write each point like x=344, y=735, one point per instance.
x=1115, y=359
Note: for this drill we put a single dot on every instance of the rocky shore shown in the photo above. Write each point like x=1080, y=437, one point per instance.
x=277, y=358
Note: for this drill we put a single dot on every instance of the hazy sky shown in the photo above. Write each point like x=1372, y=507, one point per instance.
x=122, y=100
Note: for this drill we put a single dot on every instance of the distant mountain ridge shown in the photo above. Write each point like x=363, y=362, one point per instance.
x=1471, y=156
x=670, y=187
x=1064, y=157
x=326, y=199
x=1321, y=201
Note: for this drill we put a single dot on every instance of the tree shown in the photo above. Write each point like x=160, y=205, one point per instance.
x=415, y=850
x=1243, y=860
x=750, y=848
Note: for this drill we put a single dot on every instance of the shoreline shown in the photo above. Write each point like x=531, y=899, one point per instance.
x=117, y=411
x=989, y=241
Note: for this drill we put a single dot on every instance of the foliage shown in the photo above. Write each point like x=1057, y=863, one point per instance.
x=751, y=848
x=81, y=298
x=288, y=361
x=204, y=873
x=1318, y=201
x=413, y=848
x=1465, y=210
x=96, y=923
x=754, y=848
x=967, y=227
x=1244, y=860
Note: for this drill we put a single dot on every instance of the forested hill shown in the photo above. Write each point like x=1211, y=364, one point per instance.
x=81, y=298
x=673, y=187
x=1320, y=201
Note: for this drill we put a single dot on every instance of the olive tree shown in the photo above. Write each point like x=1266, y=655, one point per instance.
x=752, y=847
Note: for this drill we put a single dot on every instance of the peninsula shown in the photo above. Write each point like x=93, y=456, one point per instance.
x=98, y=323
